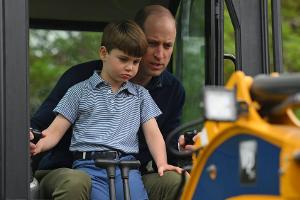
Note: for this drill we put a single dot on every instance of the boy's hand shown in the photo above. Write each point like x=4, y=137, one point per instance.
x=31, y=144
x=38, y=148
x=37, y=135
x=168, y=167
x=35, y=144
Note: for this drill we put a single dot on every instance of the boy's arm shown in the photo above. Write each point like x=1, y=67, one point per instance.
x=53, y=134
x=157, y=146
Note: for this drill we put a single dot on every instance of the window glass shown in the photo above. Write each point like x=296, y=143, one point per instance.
x=51, y=53
x=290, y=35
x=229, y=45
x=188, y=57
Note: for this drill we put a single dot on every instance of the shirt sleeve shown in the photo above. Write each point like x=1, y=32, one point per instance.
x=69, y=104
x=149, y=109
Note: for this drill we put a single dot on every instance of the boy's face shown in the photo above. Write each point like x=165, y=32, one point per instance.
x=118, y=67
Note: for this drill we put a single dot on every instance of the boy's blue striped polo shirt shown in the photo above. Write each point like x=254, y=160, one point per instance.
x=105, y=120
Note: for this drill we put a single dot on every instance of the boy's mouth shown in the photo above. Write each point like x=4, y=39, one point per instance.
x=126, y=76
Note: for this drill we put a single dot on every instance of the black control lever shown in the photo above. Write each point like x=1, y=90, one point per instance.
x=125, y=166
x=37, y=135
x=34, y=184
x=188, y=137
x=110, y=166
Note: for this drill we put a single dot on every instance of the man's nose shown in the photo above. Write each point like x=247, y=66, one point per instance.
x=159, y=52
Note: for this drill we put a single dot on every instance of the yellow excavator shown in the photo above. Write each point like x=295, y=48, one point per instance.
x=249, y=147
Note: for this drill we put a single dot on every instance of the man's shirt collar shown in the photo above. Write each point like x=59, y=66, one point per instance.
x=159, y=81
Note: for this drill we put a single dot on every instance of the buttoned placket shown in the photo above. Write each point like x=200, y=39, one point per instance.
x=111, y=100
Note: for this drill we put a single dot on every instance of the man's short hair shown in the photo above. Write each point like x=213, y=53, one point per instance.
x=126, y=36
x=146, y=11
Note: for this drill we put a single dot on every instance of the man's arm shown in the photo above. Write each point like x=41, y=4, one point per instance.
x=174, y=118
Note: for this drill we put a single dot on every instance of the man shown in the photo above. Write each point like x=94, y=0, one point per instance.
x=159, y=27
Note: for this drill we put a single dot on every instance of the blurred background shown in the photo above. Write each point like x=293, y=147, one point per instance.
x=53, y=52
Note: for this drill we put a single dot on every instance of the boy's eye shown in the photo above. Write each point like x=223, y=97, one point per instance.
x=123, y=59
x=136, y=62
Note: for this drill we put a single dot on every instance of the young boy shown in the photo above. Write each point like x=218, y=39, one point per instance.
x=106, y=112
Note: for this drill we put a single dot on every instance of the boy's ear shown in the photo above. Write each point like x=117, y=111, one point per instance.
x=102, y=52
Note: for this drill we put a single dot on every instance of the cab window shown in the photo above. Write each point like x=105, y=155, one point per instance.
x=188, y=56
x=51, y=53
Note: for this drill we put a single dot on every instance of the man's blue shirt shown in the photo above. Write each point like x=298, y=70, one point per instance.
x=166, y=90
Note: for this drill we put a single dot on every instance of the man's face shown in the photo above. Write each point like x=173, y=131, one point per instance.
x=160, y=33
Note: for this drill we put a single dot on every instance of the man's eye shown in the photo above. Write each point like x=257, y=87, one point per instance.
x=168, y=46
x=151, y=44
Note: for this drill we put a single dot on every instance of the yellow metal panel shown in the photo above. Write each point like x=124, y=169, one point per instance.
x=255, y=197
x=285, y=134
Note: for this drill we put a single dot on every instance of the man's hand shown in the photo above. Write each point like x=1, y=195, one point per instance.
x=182, y=146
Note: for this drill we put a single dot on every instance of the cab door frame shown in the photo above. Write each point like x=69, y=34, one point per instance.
x=250, y=20
x=14, y=117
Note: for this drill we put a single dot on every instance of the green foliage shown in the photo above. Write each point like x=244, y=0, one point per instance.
x=53, y=52
x=290, y=37
x=193, y=80
x=229, y=46
x=188, y=57
x=297, y=112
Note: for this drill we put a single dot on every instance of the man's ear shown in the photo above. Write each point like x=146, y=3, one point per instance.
x=102, y=52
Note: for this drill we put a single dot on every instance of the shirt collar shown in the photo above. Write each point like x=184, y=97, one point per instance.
x=96, y=82
x=129, y=87
x=159, y=81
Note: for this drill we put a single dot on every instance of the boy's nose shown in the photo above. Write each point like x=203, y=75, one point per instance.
x=129, y=66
